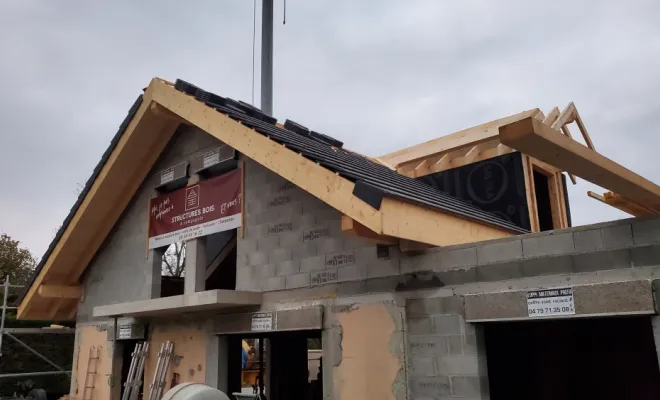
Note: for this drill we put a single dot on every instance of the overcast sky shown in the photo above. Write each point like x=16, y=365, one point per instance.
x=379, y=75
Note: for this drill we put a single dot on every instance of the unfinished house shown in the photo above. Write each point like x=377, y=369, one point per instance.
x=305, y=270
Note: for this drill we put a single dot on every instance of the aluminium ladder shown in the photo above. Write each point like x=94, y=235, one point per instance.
x=135, y=372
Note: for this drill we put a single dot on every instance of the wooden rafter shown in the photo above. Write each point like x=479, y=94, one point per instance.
x=547, y=144
x=620, y=202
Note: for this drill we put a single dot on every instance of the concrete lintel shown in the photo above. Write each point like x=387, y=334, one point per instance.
x=603, y=299
x=306, y=318
x=200, y=301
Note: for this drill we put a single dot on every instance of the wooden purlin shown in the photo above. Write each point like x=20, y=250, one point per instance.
x=549, y=145
x=626, y=205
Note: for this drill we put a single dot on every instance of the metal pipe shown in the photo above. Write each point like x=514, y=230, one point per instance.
x=267, y=57
x=4, y=311
x=33, y=351
x=21, y=374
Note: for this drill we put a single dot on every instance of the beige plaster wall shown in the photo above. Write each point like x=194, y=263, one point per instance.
x=368, y=367
x=102, y=381
x=189, y=359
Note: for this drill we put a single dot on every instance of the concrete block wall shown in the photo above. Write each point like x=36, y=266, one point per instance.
x=293, y=240
x=446, y=357
x=122, y=270
x=622, y=244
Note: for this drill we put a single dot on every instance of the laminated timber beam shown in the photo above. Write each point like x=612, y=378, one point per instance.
x=353, y=228
x=542, y=142
x=60, y=292
x=620, y=202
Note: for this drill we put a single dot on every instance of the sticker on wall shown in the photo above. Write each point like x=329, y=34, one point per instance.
x=550, y=302
x=262, y=321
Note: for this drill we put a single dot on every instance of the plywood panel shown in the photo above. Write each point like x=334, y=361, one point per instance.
x=89, y=336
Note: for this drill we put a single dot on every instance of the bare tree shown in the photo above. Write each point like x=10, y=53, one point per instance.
x=173, y=259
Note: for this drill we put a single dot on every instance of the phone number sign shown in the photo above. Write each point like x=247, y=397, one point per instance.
x=550, y=302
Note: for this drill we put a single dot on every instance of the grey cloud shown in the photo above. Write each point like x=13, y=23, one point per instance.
x=378, y=75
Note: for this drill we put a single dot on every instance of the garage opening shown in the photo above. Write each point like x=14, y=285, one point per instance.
x=281, y=365
x=600, y=358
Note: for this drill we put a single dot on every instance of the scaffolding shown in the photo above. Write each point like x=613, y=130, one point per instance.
x=11, y=332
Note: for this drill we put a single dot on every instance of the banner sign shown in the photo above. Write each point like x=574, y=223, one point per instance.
x=211, y=206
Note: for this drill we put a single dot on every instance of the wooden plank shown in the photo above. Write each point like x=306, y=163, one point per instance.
x=59, y=292
x=546, y=144
x=583, y=130
x=464, y=138
x=309, y=176
x=530, y=194
x=412, y=222
x=551, y=117
x=619, y=202
x=242, y=166
x=353, y=228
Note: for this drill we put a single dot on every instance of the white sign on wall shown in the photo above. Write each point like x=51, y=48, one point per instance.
x=550, y=302
x=262, y=321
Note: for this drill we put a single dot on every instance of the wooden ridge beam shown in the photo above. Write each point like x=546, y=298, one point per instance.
x=541, y=141
x=59, y=292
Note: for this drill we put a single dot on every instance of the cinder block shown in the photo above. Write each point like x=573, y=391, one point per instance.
x=340, y=259
x=275, y=283
x=280, y=227
x=315, y=263
x=420, y=326
x=422, y=307
x=353, y=242
x=268, y=243
x=423, y=366
x=290, y=239
x=457, y=276
x=287, y=211
x=330, y=245
x=499, y=252
x=588, y=241
x=327, y=215
x=387, y=284
x=288, y=268
x=430, y=386
x=279, y=255
x=457, y=258
x=247, y=245
x=458, y=364
x=499, y=272
x=447, y=324
x=548, y=266
x=297, y=280
x=455, y=344
x=470, y=343
x=365, y=255
x=453, y=305
x=617, y=237
x=352, y=273
x=303, y=251
x=428, y=345
x=307, y=221
x=259, y=231
x=268, y=270
x=244, y=274
x=465, y=386
x=602, y=260
x=645, y=256
x=646, y=231
x=380, y=268
x=548, y=245
x=257, y=258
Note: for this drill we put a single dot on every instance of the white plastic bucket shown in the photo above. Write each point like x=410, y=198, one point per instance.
x=194, y=391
